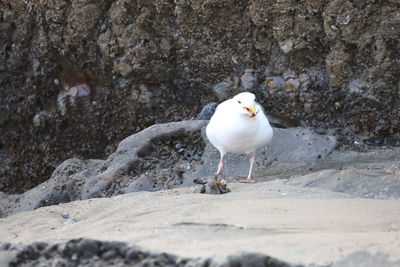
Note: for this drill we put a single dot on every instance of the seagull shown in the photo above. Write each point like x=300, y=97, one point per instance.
x=239, y=126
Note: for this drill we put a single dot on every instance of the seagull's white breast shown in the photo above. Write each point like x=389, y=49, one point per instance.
x=231, y=132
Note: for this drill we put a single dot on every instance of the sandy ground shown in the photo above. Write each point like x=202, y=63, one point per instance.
x=299, y=225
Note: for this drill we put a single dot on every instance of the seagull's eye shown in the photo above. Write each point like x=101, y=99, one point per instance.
x=248, y=109
x=239, y=102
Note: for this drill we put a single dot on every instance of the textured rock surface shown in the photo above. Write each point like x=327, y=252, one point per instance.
x=89, y=252
x=364, y=259
x=382, y=184
x=158, y=157
x=175, y=154
x=291, y=151
x=169, y=155
x=77, y=77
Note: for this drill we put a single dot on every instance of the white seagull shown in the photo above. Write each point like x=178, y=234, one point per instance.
x=239, y=126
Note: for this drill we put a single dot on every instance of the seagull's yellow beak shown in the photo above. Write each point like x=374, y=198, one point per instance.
x=252, y=111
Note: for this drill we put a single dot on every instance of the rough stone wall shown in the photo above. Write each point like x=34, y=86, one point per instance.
x=78, y=76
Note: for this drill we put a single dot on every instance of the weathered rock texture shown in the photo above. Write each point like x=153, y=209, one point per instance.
x=171, y=155
x=165, y=156
x=89, y=252
x=160, y=157
x=78, y=76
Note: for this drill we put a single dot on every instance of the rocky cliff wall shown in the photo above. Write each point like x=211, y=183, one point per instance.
x=76, y=77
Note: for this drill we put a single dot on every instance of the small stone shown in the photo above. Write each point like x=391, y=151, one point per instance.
x=307, y=107
x=304, y=80
x=39, y=120
x=79, y=90
x=224, y=89
x=275, y=83
x=286, y=46
x=292, y=84
x=178, y=146
x=334, y=28
x=356, y=86
x=289, y=74
x=62, y=102
x=212, y=185
x=248, y=79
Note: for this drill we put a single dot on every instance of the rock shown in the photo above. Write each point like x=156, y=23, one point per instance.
x=386, y=141
x=275, y=83
x=254, y=260
x=362, y=258
x=170, y=155
x=292, y=84
x=41, y=118
x=225, y=89
x=153, y=65
x=79, y=90
x=62, y=187
x=292, y=151
x=135, y=166
x=89, y=252
x=212, y=185
x=249, y=79
x=286, y=46
x=366, y=183
x=207, y=112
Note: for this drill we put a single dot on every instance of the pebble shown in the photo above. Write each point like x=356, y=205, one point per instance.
x=292, y=84
x=275, y=83
x=40, y=119
x=248, y=79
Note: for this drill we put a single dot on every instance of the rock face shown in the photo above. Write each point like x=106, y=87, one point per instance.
x=88, y=252
x=291, y=151
x=158, y=157
x=381, y=184
x=176, y=154
x=306, y=191
x=78, y=76
x=166, y=156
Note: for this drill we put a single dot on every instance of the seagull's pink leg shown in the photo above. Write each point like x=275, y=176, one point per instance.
x=220, y=165
x=252, y=160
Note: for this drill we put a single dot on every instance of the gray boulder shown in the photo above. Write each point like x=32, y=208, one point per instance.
x=165, y=156
x=175, y=154
x=153, y=159
x=292, y=151
x=361, y=182
x=365, y=259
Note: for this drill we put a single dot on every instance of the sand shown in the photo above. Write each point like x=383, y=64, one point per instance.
x=298, y=225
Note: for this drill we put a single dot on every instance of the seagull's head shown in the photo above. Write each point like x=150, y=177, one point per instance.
x=245, y=103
